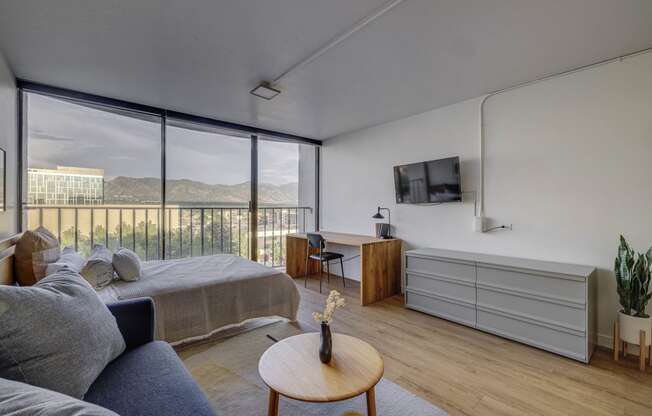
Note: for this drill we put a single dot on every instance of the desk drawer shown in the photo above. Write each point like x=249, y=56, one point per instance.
x=442, y=268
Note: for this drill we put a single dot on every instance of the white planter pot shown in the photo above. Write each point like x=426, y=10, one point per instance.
x=631, y=326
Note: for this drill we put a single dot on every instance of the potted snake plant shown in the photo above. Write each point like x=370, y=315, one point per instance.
x=633, y=271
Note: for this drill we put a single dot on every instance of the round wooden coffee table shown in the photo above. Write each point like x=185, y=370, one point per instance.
x=291, y=368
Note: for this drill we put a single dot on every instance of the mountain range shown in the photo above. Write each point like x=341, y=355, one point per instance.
x=123, y=189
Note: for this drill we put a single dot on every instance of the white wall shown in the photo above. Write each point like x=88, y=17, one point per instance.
x=568, y=163
x=9, y=143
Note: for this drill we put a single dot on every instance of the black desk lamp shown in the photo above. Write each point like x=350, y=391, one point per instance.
x=379, y=216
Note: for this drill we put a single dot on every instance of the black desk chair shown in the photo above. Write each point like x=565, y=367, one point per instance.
x=317, y=241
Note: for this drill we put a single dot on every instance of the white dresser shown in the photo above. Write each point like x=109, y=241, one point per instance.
x=544, y=304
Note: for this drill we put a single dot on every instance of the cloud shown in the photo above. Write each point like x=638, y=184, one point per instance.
x=69, y=134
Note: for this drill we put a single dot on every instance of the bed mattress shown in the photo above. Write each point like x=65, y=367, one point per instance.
x=197, y=296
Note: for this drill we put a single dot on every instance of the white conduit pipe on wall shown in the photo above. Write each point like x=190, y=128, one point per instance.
x=525, y=84
x=339, y=39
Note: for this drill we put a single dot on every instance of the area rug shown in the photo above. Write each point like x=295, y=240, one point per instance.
x=227, y=371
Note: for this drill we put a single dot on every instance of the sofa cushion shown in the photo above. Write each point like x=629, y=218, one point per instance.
x=39, y=243
x=56, y=334
x=149, y=380
x=20, y=399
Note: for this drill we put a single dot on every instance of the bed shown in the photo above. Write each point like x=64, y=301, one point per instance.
x=195, y=297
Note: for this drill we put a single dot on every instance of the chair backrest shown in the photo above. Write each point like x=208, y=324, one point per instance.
x=315, y=240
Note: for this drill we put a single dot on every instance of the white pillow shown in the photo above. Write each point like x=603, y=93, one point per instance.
x=127, y=264
x=98, y=270
x=70, y=259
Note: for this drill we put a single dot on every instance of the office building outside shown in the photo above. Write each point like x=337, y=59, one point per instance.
x=65, y=186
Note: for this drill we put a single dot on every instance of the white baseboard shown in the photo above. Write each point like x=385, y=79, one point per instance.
x=606, y=341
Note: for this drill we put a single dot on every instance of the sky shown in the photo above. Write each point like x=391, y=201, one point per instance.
x=67, y=134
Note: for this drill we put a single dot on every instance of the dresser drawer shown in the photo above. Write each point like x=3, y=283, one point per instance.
x=446, y=308
x=563, y=315
x=458, y=289
x=534, y=284
x=446, y=269
x=570, y=344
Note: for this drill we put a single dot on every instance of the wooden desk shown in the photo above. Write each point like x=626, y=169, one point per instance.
x=380, y=262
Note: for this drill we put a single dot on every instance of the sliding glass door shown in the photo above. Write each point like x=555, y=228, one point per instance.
x=207, y=190
x=165, y=186
x=286, y=184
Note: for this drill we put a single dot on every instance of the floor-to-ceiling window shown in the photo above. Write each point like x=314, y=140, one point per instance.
x=93, y=174
x=166, y=186
x=208, y=190
x=286, y=184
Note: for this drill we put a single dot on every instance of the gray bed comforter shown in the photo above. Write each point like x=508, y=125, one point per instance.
x=196, y=296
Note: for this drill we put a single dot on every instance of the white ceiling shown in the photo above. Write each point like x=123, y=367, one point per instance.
x=203, y=56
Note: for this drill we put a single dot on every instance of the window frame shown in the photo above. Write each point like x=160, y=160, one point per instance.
x=255, y=134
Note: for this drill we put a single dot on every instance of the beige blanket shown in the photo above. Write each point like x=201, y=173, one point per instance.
x=196, y=296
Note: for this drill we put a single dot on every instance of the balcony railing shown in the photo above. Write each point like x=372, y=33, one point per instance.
x=187, y=231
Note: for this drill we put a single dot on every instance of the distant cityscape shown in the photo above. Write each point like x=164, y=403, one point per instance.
x=67, y=185
x=82, y=207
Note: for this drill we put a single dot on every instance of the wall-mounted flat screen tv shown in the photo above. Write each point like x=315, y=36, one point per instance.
x=429, y=182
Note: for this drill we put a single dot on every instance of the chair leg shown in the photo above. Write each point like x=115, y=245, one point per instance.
x=342, y=265
x=321, y=271
x=328, y=271
x=305, y=276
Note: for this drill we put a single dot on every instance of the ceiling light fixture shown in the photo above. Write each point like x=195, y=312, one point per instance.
x=265, y=90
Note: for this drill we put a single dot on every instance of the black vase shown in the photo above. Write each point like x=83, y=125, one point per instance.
x=326, y=345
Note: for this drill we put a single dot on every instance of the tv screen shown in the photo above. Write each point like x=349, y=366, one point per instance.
x=434, y=181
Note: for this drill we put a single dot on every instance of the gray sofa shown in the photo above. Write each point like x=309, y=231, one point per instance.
x=148, y=378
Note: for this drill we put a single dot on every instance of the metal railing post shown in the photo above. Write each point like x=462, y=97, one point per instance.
x=92, y=226
x=146, y=234
x=202, y=230
x=133, y=228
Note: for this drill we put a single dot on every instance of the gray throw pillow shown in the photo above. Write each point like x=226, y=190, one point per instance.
x=69, y=258
x=126, y=264
x=56, y=334
x=20, y=399
x=99, y=267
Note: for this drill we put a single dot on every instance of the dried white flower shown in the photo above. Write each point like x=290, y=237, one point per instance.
x=333, y=302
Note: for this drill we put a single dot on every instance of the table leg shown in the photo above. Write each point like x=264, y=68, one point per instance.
x=642, y=350
x=273, y=403
x=371, y=402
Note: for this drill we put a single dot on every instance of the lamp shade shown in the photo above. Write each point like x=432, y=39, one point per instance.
x=378, y=216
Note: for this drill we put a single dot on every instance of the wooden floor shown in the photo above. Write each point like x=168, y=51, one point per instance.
x=468, y=372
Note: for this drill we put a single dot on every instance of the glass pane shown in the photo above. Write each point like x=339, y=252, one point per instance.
x=208, y=190
x=286, y=196
x=94, y=175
